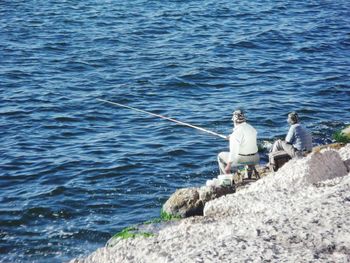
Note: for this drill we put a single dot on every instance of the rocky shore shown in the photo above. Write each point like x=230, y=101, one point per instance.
x=298, y=214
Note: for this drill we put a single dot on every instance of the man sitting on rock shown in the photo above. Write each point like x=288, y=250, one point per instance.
x=298, y=141
x=243, y=146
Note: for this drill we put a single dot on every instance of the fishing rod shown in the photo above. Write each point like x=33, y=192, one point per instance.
x=164, y=117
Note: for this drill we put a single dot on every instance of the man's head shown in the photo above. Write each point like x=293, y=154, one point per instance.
x=293, y=118
x=238, y=116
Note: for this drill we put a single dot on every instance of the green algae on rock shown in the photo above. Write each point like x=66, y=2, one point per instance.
x=146, y=229
x=342, y=136
x=131, y=232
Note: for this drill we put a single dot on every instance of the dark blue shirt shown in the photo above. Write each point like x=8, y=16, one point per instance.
x=299, y=137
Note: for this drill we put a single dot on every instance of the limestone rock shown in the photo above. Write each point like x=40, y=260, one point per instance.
x=323, y=162
x=346, y=131
x=184, y=202
x=345, y=155
x=335, y=146
x=210, y=193
x=188, y=202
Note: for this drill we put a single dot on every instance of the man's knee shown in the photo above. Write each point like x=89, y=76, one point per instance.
x=277, y=146
x=222, y=157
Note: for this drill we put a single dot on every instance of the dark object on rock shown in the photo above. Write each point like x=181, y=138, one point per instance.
x=184, y=203
x=210, y=193
x=278, y=159
x=251, y=171
x=188, y=202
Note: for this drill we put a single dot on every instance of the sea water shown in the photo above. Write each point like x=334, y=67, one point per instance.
x=74, y=171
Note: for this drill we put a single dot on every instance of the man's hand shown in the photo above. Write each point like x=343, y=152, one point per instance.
x=228, y=168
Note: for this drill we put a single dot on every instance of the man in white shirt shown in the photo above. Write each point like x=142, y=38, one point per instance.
x=243, y=146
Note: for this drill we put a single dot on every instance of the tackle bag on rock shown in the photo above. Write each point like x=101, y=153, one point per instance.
x=278, y=159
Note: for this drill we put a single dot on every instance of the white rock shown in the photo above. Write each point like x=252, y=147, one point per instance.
x=299, y=214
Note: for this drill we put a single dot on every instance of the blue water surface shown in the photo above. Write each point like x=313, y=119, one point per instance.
x=74, y=170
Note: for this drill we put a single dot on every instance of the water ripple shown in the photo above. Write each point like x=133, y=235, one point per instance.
x=73, y=170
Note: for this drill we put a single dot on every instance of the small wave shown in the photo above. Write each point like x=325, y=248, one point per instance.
x=113, y=172
x=66, y=119
x=76, y=66
x=272, y=37
x=176, y=152
x=91, y=235
x=17, y=74
x=266, y=145
x=183, y=83
x=337, y=90
x=13, y=112
x=56, y=46
x=10, y=222
x=315, y=48
x=57, y=191
x=45, y=212
x=243, y=44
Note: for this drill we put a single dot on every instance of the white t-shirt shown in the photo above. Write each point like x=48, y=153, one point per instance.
x=243, y=140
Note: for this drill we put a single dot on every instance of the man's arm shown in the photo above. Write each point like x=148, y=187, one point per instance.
x=290, y=135
x=228, y=168
x=235, y=140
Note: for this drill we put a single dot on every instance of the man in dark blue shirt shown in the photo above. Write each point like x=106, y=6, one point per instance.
x=298, y=140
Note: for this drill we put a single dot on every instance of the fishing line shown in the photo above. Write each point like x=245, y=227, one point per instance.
x=164, y=117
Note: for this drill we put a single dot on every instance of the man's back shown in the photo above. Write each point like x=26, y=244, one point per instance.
x=299, y=137
x=245, y=136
